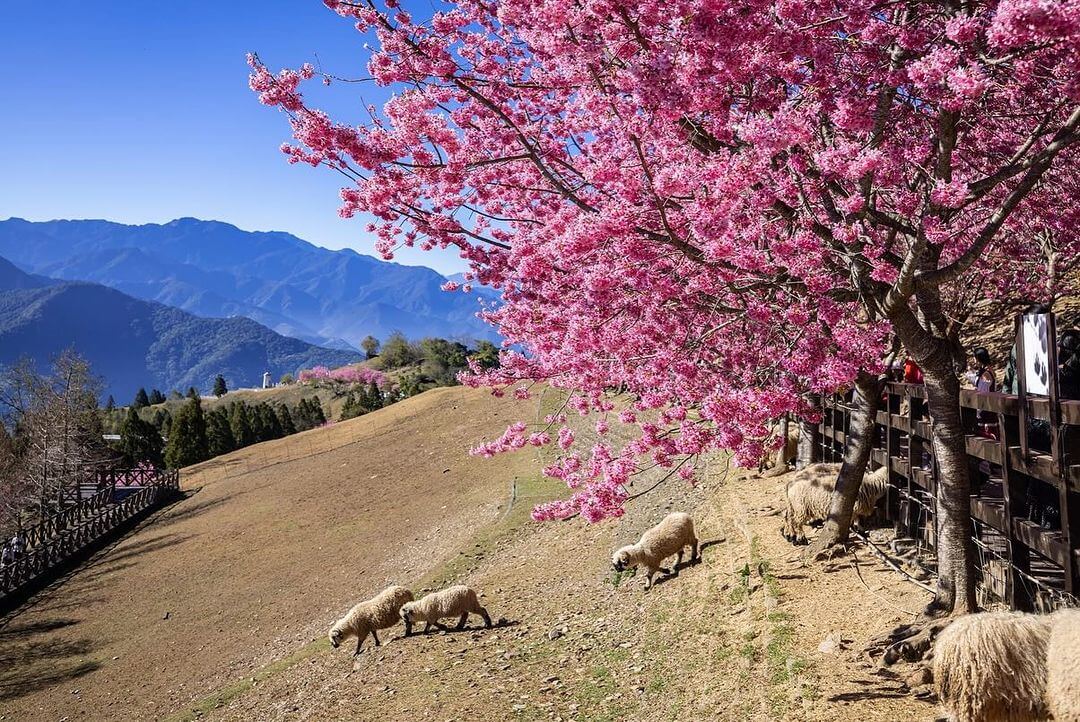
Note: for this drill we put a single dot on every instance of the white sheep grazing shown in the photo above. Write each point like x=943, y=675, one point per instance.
x=778, y=459
x=810, y=493
x=379, y=612
x=991, y=667
x=457, y=601
x=1063, y=666
x=668, y=537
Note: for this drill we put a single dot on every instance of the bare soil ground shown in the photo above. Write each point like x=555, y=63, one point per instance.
x=254, y=569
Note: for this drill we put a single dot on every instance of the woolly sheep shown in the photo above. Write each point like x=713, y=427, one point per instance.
x=809, y=497
x=778, y=459
x=380, y=612
x=457, y=601
x=668, y=537
x=1063, y=666
x=991, y=667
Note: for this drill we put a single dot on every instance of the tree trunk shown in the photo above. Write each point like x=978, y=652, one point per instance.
x=860, y=443
x=955, y=548
x=809, y=447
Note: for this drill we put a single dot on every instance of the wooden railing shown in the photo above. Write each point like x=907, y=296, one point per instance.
x=1025, y=503
x=69, y=532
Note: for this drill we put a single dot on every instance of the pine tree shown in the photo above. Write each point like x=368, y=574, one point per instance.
x=351, y=408
x=192, y=393
x=220, y=389
x=219, y=432
x=318, y=418
x=156, y=397
x=140, y=441
x=187, y=440
x=268, y=423
x=110, y=404
x=288, y=428
x=141, y=399
x=240, y=423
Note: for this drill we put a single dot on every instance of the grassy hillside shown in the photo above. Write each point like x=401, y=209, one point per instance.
x=218, y=606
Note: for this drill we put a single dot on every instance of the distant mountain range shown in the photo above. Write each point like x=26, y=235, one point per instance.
x=132, y=343
x=330, y=298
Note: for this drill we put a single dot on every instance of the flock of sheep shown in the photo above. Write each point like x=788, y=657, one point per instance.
x=990, y=667
x=669, y=537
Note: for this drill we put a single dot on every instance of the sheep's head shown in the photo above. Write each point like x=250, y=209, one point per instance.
x=335, y=636
x=406, y=612
x=622, y=559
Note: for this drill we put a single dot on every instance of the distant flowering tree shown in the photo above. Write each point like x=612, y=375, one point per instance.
x=718, y=206
x=343, y=375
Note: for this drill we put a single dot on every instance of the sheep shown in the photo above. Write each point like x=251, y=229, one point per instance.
x=778, y=459
x=379, y=612
x=809, y=497
x=457, y=601
x=668, y=537
x=991, y=667
x=1063, y=666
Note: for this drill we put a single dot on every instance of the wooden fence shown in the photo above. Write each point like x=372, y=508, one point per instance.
x=70, y=532
x=1025, y=503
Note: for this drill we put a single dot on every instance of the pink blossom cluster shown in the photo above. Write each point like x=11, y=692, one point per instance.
x=695, y=203
x=343, y=375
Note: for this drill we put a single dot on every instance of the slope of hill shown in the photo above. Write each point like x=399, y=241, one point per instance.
x=133, y=343
x=215, y=269
x=217, y=608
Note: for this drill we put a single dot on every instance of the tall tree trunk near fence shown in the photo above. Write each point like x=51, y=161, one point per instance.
x=860, y=443
x=809, y=440
x=953, y=537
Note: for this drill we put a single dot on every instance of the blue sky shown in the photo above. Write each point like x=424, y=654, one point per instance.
x=140, y=112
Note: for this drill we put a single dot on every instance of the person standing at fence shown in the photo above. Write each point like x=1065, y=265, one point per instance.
x=7, y=556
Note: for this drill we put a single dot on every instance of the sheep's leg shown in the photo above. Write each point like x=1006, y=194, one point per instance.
x=483, y=613
x=678, y=561
x=695, y=553
x=376, y=638
x=408, y=627
x=359, y=641
x=461, y=622
x=427, y=627
x=648, y=578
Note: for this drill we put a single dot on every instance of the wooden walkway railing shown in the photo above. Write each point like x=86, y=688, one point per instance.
x=1025, y=505
x=69, y=532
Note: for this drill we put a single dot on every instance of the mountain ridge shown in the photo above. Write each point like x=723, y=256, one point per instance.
x=214, y=269
x=131, y=342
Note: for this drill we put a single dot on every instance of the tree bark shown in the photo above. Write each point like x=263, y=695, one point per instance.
x=809, y=449
x=955, y=548
x=860, y=443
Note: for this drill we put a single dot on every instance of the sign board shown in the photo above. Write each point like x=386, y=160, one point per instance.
x=1036, y=338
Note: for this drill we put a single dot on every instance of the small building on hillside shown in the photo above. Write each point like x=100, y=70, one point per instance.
x=267, y=383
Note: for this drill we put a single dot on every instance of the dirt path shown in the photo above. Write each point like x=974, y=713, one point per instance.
x=248, y=569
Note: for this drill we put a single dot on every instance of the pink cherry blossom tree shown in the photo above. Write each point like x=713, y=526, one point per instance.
x=717, y=206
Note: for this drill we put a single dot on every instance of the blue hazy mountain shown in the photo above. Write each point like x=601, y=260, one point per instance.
x=130, y=342
x=333, y=298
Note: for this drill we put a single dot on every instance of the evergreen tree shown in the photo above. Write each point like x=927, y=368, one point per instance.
x=240, y=423
x=192, y=392
x=268, y=423
x=486, y=354
x=166, y=424
x=110, y=405
x=156, y=397
x=219, y=432
x=175, y=395
x=140, y=441
x=374, y=397
x=220, y=389
x=285, y=418
x=187, y=439
x=141, y=399
x=318, y=418
x=352, y=407
x=370, y=344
